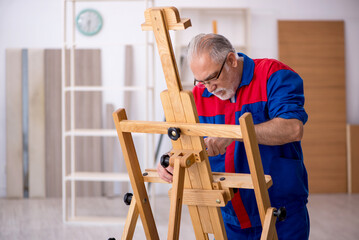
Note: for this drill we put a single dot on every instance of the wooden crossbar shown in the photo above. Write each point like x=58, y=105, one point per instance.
x=188, y=129
x=231, y=180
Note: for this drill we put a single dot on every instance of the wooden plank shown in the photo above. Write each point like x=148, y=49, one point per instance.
x=315, y=49
x=36, y=135
x=88, y=114
x=353, y=153
x=188, y=129
x=14, y=144
x=25, y=118
x=108, y=153
x=136, y=178
x=87, y=109
x=53, y=140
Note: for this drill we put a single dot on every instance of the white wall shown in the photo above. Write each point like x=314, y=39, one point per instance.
x=38, y=24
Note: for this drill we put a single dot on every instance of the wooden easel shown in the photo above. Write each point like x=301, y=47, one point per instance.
x=193, y=182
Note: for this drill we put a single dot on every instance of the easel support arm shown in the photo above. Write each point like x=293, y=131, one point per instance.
x=188, y=129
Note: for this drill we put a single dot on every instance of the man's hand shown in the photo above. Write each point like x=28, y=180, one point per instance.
x=165, y=173
x=216, y=145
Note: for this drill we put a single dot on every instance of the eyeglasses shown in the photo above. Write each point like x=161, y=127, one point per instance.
x=203, y=83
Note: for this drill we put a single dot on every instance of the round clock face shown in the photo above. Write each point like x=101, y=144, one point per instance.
x=89, y=22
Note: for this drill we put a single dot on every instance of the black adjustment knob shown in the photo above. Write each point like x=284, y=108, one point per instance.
x=165, y=160
x=174, y=133
x=281, y=214
x=127, y=198
x=112, y=239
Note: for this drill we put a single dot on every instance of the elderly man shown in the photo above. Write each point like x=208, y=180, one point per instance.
x=228, y=84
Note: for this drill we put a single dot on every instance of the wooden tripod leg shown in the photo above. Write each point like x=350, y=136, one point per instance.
x=269, y=225
x=131, y=221
x=176, y=200
x=135, y=175
x=256, y=167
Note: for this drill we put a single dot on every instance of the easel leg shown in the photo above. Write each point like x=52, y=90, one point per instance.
x=176, y=201
x=136, y=178
x=131, y=221
x=257, y=174
x=268, y=232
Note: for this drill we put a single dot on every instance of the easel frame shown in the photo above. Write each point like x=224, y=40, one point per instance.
x=193, y=182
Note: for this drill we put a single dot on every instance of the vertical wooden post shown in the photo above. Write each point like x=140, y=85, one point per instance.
x=14, y=125
x=179, y=107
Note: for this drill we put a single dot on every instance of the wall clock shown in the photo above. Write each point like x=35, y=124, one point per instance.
x=89, y=22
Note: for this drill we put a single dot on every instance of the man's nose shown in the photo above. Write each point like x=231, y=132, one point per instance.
x=211, y=87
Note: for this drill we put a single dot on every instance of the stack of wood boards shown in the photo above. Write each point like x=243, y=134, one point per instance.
x=33, y=120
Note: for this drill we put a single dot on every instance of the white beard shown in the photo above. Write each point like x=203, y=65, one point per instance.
x=228, y=93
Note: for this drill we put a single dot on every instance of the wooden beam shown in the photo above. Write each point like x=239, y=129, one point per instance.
x=187, y=129
x=14, y=141
x=36, y=91
x=353, y=158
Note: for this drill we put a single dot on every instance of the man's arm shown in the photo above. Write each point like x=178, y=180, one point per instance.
x=277, y=131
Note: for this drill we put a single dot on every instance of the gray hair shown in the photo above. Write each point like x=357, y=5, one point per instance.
x=216, y=45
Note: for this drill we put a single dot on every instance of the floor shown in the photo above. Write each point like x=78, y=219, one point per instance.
x=333, y=216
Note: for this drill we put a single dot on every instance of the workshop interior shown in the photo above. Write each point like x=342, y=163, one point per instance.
x=96, y=94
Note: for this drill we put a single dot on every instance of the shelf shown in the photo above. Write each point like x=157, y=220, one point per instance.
x=103, y=0
x=104, y=44
x=95, y=133
x=131, y=82
x=98, y=177
x=216, y=9
x=91, y=133
x=102, y=88
x=96, y=220
x=235, y=46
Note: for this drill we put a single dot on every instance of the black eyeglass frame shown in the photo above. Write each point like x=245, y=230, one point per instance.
x=204, y=82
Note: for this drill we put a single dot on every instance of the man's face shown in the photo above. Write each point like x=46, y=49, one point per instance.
x=206, y=71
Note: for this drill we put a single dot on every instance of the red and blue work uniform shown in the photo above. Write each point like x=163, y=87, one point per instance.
x=268, y=89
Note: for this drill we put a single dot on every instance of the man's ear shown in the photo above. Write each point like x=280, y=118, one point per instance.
x=232, y=59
